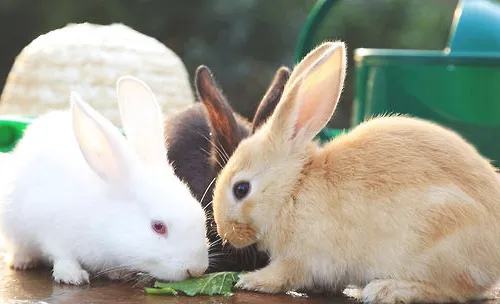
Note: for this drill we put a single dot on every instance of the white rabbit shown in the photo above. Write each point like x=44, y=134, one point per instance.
x=86, y=200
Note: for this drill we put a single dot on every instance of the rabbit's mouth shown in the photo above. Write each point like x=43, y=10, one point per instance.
x=239, y=235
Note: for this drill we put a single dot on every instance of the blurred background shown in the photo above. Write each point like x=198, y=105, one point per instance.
x=243, y=42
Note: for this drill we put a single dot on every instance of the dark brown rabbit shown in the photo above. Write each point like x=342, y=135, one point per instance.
x=201, y=139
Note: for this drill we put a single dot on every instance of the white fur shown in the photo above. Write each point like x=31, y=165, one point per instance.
x=81, y=197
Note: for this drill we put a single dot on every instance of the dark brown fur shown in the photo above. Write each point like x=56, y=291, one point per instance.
x=199, y=141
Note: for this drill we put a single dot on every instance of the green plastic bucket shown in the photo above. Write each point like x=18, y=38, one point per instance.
x=457, y=90
x=458, y=87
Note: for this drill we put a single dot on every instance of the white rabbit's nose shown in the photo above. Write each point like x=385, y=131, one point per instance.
x=196, y=272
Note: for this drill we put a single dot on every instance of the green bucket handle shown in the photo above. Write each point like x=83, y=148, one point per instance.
x=306, y=43
x=316, y=16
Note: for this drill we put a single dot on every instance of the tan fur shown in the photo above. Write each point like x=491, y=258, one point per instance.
x=241, y=235
x=403, y=208
x=246, y=210
x=464, y=281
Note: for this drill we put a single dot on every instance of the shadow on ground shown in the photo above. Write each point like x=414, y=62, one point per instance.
x=36, y=286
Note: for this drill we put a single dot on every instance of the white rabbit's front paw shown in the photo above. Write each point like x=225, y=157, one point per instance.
x=69, y=272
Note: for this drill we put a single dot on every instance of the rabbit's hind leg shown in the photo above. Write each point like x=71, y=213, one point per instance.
x=398, y=291
x=23, y=258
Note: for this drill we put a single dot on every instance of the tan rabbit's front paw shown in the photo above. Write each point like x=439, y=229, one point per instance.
x=261, y=281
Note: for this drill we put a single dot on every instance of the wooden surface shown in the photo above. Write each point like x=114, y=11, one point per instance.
x=37, y=286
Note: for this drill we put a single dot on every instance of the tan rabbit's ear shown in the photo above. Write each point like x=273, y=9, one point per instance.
x=312, y=93
x=308, y=61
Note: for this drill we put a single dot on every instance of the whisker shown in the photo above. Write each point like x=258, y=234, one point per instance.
x=220, y=150
x=142, y=280
x=207, y=205
x=215, y=243
x=206, y=190
x=107, y=270
x=225, y=154
x=216, y=160
x=213, y=233
x=206, y=152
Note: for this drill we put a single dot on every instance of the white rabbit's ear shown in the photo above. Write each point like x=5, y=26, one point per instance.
x=102, y=144
x=312, y=93
x=142, y=119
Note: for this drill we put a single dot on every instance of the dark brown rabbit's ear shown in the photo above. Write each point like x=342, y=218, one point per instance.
x=271, y=98
x=220, y=114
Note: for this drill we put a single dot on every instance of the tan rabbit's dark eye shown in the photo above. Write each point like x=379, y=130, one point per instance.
x=159, y=227
x=241, y=189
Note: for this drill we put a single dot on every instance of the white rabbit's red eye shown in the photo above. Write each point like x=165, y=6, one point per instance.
x=159, y=227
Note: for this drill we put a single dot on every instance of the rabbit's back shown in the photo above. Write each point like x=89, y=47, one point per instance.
x=393, y=153
x=419, y=178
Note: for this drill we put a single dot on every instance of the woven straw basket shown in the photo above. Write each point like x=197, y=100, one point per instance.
x=89, y=58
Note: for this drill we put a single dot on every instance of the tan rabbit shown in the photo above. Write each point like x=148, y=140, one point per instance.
x=404, y=209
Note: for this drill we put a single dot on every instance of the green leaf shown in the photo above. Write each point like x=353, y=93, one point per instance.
x=162, y=291
x=219, y=283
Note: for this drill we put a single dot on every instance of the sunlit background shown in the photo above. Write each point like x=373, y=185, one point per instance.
x=243, y=41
